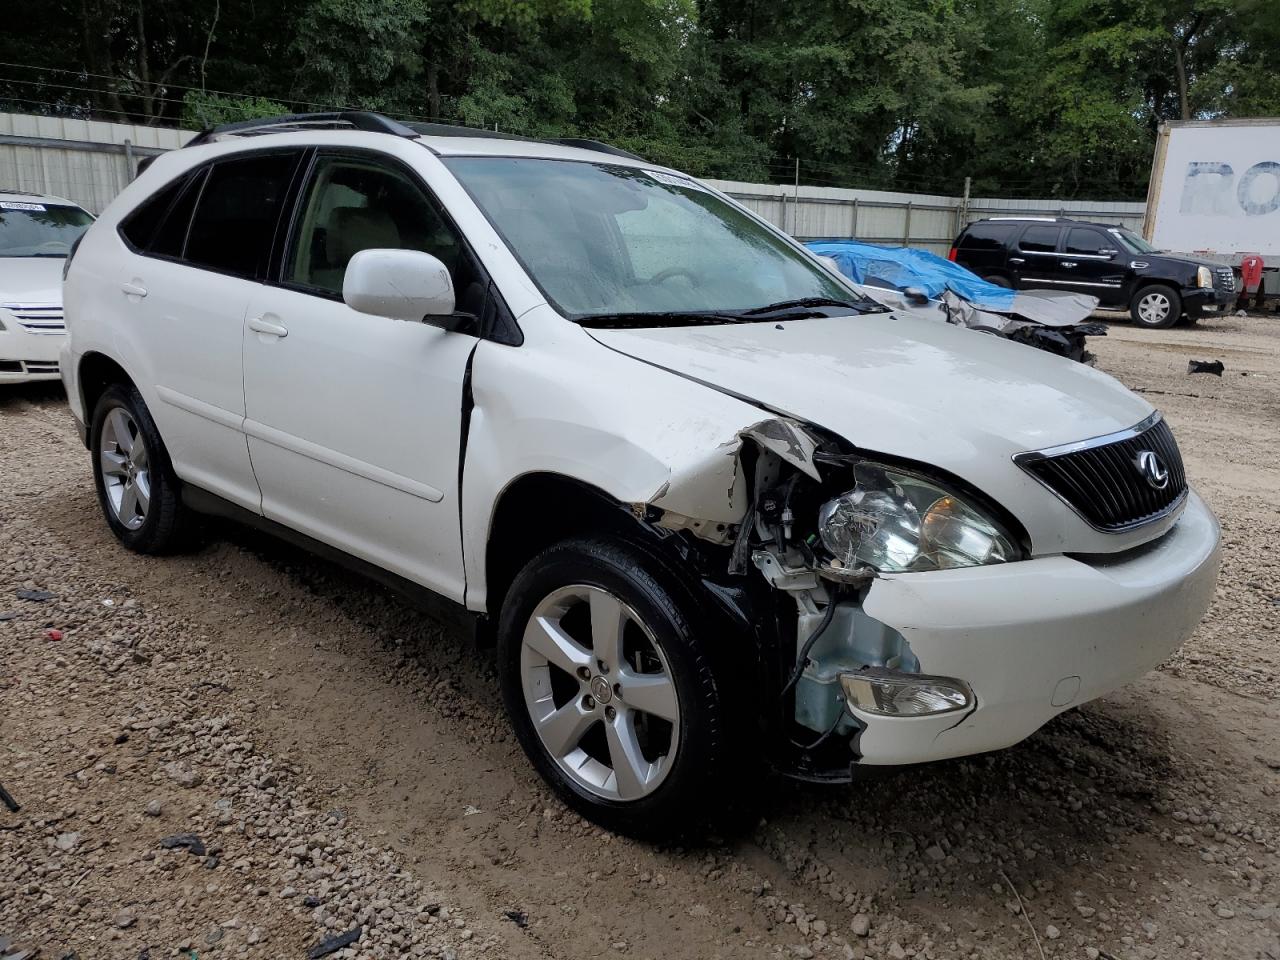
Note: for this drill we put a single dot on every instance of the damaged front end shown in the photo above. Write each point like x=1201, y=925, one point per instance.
x=823, y=524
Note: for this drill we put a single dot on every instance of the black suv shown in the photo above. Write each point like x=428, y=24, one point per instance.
x=1113, y=264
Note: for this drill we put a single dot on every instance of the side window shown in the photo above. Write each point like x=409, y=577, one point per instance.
x=984, y=236
x=235, y=219
x=1040, y=239
x=171, y=238
x=141, y=225
x=353, y=204
x=1087, y=242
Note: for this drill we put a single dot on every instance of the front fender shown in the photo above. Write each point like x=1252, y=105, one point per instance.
x=577, y=409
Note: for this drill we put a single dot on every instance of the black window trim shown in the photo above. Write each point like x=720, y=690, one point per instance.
x=202, y=171
x=495, y=305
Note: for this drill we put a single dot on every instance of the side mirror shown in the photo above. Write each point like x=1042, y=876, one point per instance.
x=400, y=284
x=916, y=296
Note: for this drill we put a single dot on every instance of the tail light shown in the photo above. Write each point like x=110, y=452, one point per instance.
x=951, y=255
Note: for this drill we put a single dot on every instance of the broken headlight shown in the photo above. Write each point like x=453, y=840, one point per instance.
x=895, y=521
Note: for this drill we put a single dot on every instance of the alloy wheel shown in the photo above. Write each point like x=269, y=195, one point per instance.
x=1154, y=308
x=126, y=468
x=600, y=693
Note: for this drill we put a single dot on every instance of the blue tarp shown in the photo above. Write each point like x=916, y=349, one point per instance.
x=902, y=267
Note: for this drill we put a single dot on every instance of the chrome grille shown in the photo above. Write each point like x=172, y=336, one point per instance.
x=42, y=366
x=1224, y=278
x=38, y=319
x=1103, y=479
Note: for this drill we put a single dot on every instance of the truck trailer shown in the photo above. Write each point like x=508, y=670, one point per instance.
x=1215, y=193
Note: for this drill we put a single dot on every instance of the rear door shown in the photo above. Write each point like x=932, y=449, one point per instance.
x=1035, y=261
x=186, y=293
x=1091, y=263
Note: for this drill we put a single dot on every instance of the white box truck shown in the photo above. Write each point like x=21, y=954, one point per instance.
x=1215, y=193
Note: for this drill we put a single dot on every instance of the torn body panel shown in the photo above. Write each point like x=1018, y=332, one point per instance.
x=563, y=405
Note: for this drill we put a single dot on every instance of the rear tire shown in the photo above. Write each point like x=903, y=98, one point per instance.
x=1156, y=307
x=999, y=281
x=612, y=689
x=137, y=489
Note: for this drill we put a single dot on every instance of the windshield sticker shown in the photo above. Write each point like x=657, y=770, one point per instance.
x=14, y=205
x=671, y=180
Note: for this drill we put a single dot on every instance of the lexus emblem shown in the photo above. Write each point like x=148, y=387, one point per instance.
x=1153, y=471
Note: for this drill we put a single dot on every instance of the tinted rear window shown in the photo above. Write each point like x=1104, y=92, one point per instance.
x=985, y=236
x=236, y=218
x=141, y=225
x=171, y=238
x=1040, y=239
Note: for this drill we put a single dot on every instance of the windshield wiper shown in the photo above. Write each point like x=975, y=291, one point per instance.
x=639, y=321
x=864, y=305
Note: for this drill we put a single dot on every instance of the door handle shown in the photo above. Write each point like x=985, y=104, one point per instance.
x=133, y=289
x=1017, y=260
x=265, y=326
x=1069, y=263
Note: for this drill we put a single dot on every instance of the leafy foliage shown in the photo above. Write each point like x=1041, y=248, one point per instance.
x=1043, y=97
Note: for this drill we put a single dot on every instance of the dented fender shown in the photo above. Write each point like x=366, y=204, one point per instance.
x=570, y=411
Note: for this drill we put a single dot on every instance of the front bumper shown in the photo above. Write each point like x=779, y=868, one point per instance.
x=1037, y=637
x=1198, y=301
x=25, y=356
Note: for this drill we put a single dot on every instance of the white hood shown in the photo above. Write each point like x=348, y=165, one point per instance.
x=31, y=281
x=903, y=385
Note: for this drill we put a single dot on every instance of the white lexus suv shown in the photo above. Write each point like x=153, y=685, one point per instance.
x=37, y=233
x=718, y=510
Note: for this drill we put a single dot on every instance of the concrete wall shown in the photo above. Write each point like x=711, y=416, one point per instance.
x=920, y=220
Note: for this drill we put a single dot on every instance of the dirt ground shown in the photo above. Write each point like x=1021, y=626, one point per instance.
x=339, y=761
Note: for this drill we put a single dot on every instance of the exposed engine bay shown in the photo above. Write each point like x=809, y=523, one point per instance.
x=823, y=522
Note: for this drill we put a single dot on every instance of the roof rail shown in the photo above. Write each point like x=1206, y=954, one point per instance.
x=585, y=144
x=450, y=130
x=377, y=123
x=358, y=119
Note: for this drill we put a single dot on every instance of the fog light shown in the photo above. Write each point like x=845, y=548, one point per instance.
x=893, y=694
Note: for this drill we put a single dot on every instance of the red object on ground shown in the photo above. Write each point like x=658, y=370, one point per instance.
x=1251, y=271
x=53, y=634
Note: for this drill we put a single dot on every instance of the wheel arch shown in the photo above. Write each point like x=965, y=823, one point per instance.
x=537, y=509
x=94, y=374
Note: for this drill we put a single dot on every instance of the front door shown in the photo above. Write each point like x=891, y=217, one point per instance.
x=1092, y=264
x=354, y=420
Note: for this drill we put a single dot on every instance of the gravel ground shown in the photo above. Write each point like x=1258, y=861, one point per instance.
x=245, y=751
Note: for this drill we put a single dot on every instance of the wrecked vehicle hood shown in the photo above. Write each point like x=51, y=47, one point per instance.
x=898, y=384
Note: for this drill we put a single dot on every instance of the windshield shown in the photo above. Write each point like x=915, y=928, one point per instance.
x=39, y=229
x=1132, y=242
x=604, y=241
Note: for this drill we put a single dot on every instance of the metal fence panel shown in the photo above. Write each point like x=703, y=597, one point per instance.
x=91, y=161
x=927, y=221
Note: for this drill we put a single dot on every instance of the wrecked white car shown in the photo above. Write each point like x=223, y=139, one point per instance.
x=717, y=510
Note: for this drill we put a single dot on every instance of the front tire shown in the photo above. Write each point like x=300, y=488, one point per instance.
x=1156, y=307
x=137, y=488
x=611, y=687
